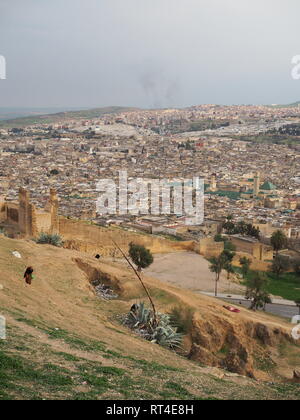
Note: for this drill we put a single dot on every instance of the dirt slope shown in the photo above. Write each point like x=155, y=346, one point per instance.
x=58, y=324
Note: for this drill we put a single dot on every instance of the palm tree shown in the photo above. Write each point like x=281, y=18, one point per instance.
x=230, y=270
x=217, y=265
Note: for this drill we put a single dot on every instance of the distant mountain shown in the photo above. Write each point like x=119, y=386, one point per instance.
x=11, y=117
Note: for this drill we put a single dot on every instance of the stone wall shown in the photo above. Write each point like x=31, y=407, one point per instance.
x=209, y=248
x=259, y=251
x=86, y=237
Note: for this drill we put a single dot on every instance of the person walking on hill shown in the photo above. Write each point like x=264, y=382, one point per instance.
x=28, y=275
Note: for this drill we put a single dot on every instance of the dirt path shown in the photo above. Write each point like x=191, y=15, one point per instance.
x=189, y=270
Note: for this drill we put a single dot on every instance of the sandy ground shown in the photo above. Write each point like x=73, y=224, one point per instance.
x=189, y=270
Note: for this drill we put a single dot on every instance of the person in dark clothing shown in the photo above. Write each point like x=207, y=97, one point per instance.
x=28, y=275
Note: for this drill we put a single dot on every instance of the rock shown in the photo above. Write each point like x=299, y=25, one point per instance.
x=16, y=254
x=263, y=334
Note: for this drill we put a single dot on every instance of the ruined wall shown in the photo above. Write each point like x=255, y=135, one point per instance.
x=43, y=222
x=89, y=238
x=24, y=220
x=25, y=213
x=12, y=214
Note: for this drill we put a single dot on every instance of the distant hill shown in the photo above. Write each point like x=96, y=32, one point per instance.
x=33, y=117
x=12, y=113
x=293, y=105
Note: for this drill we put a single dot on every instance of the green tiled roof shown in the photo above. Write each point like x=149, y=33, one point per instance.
x=268, y=186
x=233, y=195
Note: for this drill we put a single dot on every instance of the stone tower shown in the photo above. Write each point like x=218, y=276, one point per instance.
x=256, y=184
x=26, y=214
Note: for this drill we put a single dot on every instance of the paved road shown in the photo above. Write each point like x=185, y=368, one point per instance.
x=279, y=307
x=242, y=297
x=285, y=311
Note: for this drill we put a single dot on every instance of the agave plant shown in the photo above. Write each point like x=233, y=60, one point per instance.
x=159, y=331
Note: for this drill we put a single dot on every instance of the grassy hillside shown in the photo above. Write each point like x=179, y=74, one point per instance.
x=65, y=343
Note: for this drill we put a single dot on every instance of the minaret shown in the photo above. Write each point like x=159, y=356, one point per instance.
x=213, y=183
x=256, y=184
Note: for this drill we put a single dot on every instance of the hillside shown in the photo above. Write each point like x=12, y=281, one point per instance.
x=65, y=343
x=60, y=117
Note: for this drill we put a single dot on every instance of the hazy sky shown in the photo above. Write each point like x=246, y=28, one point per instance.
x=149, y=53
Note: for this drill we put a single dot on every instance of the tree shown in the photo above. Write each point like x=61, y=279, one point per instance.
x=257, y=290
x=219, y=238
x=278, y=241
x=141, y=256
x=217, y=265
x=297, y=301
x=245, y=264
x=229, y=227
x=229, y=246
x=280, y=265
x=138, y=275
x=228, y=255
x=242, y=228
x=296, y=266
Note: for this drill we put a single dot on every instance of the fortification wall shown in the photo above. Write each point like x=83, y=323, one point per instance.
x=43, y=222
x=209, y=248
x=95, y=239
x=3, y=215
x=258, y=250
x=255, y=264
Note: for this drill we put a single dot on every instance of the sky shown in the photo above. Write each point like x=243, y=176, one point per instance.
x=148, y=53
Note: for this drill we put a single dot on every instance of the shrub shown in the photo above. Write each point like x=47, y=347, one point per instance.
x=280, y=265
x=182, y=317
x=46, y=238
